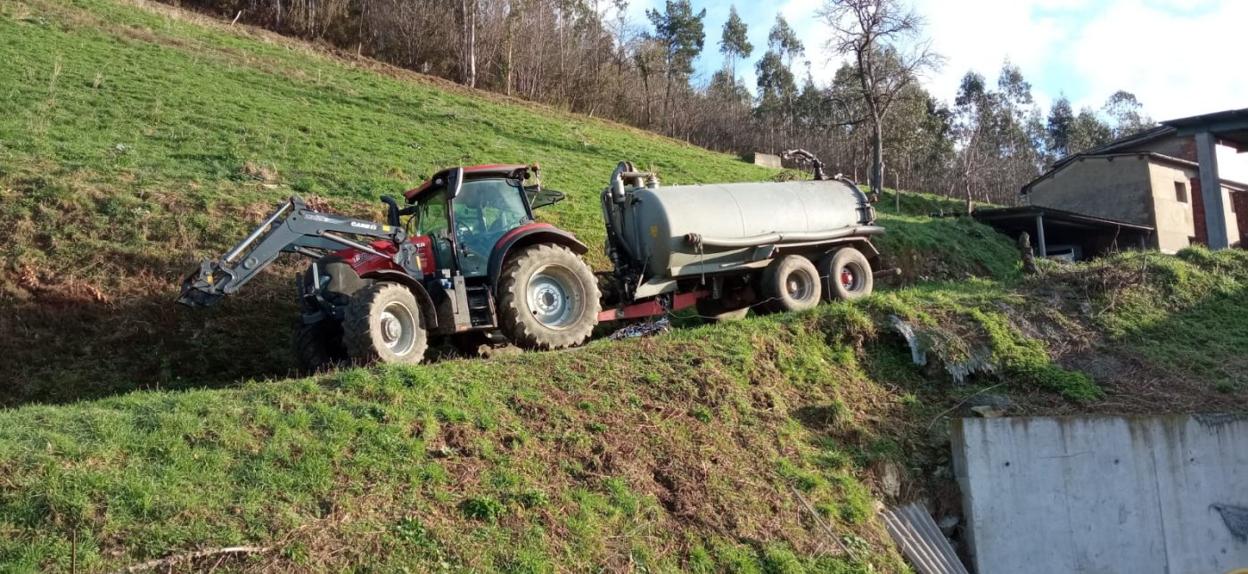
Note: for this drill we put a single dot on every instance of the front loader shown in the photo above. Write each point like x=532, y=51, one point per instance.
x=463, y=260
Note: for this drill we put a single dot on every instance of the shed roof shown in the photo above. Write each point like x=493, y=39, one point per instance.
x=1069, y=218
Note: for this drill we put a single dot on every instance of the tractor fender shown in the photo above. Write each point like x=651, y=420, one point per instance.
x=525, y=236
x=427, y=309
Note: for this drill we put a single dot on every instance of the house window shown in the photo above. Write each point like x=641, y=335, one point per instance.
x=1180, y=191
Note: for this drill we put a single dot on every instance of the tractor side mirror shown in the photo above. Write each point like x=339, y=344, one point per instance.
x=392, y=211
x=456, y=183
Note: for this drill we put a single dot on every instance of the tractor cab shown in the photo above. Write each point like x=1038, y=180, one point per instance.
x=464, y=212
x=465, y=221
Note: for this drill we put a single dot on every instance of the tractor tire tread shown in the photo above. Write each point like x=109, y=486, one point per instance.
x=519, y=325
x=357, y=334
x=318, y=346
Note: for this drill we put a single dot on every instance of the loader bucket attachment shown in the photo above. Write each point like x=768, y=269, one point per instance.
x=201, y=288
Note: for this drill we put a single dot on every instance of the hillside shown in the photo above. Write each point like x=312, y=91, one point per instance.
x=135, y=138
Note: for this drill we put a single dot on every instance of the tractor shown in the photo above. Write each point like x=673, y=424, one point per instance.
x=463, y=260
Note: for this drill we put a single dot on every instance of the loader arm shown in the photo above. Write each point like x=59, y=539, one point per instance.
x=291, y=228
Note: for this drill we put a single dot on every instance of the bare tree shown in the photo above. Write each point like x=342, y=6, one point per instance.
x=873, y=33
x=468, y=11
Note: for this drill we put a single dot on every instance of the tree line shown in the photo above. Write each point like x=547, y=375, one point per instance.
x=873, y=121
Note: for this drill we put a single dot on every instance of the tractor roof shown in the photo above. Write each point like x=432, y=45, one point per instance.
x=470, y=172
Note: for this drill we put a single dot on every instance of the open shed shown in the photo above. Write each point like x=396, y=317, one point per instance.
x=1066, y=234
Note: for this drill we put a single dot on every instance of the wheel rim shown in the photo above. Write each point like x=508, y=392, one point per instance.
x=799, y=285
x=398, y=328
x=851, y=277
x=552, y=297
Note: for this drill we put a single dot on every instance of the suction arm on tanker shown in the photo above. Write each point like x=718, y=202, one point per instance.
x=613, y=211
x=293, y=228
x=816, y=167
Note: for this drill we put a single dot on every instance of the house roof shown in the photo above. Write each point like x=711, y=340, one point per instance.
x=1152, y=157
x=1230, y=126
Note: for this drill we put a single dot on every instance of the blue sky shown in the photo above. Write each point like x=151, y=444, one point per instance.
x=1180, y=57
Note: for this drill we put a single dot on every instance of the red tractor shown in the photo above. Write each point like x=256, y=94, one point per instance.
x=465, y=259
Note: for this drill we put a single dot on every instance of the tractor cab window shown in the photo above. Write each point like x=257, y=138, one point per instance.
x=485, y=210
x=432, y=220
x=431, y=216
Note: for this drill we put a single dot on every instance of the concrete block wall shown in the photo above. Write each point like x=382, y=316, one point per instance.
x=1103, y=494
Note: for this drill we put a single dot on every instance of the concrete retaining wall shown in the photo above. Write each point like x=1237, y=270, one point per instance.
x=1104, y=494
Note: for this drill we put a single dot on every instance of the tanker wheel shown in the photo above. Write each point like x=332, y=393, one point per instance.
x=319, y=345
x=715, y=311
x=548, y=298
x=847, y=275
x=791, y=283
x=382, y=324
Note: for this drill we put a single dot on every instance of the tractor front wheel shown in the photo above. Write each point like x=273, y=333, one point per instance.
x=382, y=323
x=319, y=345
x=548, y=298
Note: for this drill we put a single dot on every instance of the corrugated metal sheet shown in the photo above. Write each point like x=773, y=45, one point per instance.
x=914, y=531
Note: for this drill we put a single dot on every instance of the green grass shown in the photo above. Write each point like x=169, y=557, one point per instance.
x=1184, y=315
x=479, y=464
x=135, y=138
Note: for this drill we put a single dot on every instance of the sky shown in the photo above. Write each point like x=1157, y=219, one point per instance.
x=1179, y=57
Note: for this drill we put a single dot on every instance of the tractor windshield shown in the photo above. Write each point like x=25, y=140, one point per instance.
x=485, y=209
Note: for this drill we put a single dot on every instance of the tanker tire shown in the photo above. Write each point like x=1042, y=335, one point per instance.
x=846, y=263
x=382, y=324
x=715, y=311
x=790, y=283
x=520, y=322
x=318, y=346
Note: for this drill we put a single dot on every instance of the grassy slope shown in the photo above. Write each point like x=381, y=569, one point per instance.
x=133, y=141
x=145, y=139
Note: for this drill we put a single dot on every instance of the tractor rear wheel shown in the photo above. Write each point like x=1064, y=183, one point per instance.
x=382, y=323
x=791, y=283
x=319, y=345
x=847, y=275
x=548, y=298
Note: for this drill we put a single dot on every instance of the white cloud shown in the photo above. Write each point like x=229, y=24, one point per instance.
x=1176, y=56
x=1179, y=57
x=1176, y=61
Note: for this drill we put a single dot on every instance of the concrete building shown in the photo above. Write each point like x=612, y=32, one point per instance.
x=1187, y=179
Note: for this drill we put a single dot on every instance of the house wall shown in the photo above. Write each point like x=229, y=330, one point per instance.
x=1173, y=146
x=1177, y=222
x=1118, y=188
x=1240, y=200
x=1234, y=219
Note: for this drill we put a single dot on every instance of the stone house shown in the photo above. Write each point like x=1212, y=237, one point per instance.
x=1186, y=178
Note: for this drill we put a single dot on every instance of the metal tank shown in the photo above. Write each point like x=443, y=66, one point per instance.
x=662, y=234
